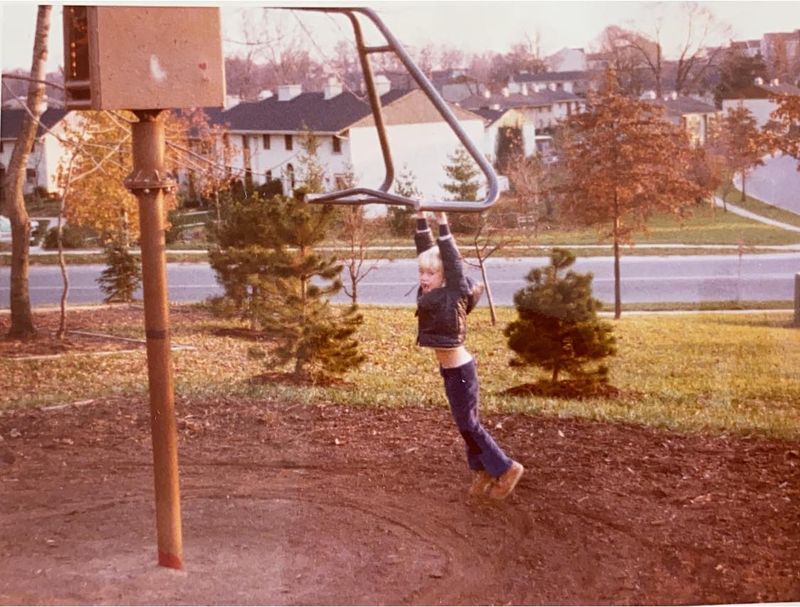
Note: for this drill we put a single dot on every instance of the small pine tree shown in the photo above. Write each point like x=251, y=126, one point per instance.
x=272, y=275
x=312, y=172
x=122, y=275
x=293, y=305
x=242, y=251
x=463, y=185
x=558, y=329
x=401, y=219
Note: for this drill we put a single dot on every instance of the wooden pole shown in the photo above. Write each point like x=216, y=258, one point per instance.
x=148, y=182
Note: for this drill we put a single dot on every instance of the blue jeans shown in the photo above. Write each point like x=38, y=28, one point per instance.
x=462, y=388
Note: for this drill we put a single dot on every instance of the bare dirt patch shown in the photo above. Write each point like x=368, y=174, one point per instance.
x=292, y=504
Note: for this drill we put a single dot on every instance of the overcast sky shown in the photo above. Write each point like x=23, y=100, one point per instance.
x=471, y=26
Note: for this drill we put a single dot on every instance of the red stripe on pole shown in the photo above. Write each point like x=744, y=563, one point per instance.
x=172, y=561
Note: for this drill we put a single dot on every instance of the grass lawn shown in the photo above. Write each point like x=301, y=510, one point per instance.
x=696, y=372
x=759, y=207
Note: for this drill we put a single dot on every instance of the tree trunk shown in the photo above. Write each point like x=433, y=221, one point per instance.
x=62, y=322
x=744, y=186
x=489, y=297
x=617, y=286
x=20, y=302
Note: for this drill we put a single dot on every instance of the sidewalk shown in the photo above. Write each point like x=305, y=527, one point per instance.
x=750, y=215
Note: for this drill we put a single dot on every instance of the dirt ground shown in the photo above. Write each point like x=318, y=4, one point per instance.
x=293, y=504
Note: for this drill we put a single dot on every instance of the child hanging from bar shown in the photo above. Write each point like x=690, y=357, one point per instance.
x=444, y=298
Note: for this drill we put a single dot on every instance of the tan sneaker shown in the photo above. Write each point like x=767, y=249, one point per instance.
x=480, y=483
x=505, y=484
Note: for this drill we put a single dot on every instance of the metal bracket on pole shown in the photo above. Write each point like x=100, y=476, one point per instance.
x=381, y=195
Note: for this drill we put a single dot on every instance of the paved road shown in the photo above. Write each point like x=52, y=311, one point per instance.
x=686, y=278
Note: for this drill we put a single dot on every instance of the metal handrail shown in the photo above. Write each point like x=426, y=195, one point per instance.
x=362, y=195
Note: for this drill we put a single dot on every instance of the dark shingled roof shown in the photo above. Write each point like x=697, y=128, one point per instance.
x=11, y=121
x=306, y=111
x=517, y=100
x=684, y=105
x=489, y=114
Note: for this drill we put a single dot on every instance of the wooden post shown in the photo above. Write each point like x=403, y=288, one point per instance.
x=147, y=182
x=797, y=300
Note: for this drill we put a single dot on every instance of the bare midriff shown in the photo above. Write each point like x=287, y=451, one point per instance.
x=450, y=358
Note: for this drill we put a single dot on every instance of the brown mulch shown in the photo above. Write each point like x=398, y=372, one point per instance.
x=285, y=503
x=569, y=388
x=100, y=322
x=319, y=504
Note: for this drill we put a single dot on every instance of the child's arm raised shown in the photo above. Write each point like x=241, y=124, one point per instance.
x=422, y=237
x=451, y=257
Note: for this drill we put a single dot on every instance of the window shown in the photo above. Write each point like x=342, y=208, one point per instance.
x=337, y=145
x=290, y=172
x=30, y=175
x=289, y=143
x=266, y=141
x=1, y=147
x=269, y=175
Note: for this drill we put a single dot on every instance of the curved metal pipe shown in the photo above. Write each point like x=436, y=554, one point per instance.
x=381, y=195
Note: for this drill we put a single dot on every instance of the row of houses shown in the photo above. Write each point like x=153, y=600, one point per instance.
x=266, y=136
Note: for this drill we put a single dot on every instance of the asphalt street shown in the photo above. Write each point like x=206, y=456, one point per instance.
x=645, y=279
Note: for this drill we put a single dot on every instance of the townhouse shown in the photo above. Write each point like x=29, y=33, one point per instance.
x=760, y=98
x=267, y=137
x=43, y=162
x=696, y=117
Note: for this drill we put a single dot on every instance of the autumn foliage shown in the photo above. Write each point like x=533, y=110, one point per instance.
x=623, y=162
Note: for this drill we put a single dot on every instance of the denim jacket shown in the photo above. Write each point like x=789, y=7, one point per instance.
x=442, y=312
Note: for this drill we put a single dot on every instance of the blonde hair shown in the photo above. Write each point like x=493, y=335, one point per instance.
x=431, y=260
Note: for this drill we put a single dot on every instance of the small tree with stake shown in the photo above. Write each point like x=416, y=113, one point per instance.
x=293, y=305
x=558, y=329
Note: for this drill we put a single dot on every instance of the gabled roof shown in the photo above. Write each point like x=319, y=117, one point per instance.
x=11, y=121
x=307, y=111
x=684, y=105
x=489, y=115
x=764, y=91
x=517, y=100
x=552, y=76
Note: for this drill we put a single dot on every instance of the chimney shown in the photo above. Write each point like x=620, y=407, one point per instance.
x=287, y=92
x=332, y=88
x=382, y=84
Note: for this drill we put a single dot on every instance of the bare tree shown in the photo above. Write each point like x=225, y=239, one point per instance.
x=21, y=318
x=693, y=58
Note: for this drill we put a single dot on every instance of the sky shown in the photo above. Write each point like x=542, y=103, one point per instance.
x=474, y=26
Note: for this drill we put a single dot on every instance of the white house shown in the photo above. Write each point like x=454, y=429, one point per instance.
x=47, y=150
x=542, y=109
x=567, y=60
x=760, y=99
x=574, y=81
x=269, y=136
x=496, y=120
x=693, y=115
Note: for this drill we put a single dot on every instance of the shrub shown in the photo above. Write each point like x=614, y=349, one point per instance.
x=122, y=275
x=558, y=329
x=72, y=237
